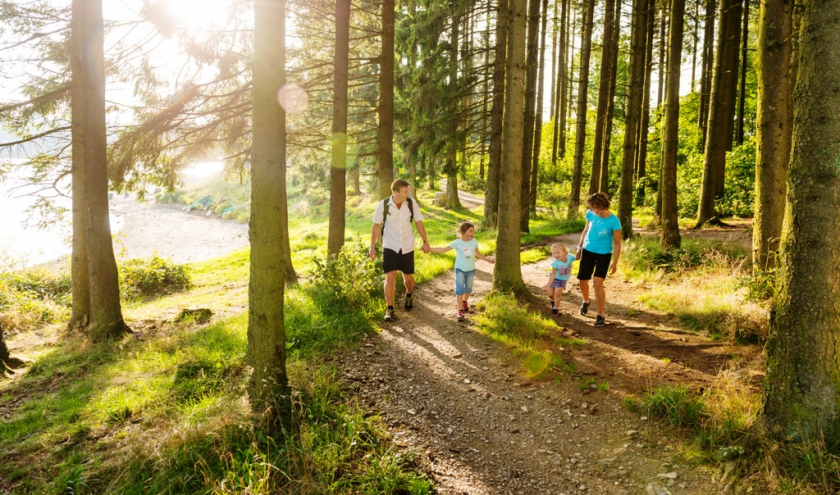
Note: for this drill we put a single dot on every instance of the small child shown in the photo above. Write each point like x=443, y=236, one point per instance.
x=466, y=251
x=561, y=271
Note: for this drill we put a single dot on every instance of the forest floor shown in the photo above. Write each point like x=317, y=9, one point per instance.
x=464, y=402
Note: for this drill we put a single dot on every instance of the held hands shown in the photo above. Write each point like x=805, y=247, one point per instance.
x=490, y=259
x=426, y=247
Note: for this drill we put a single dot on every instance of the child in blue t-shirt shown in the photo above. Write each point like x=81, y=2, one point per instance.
x=561, y=272
x=466, y=251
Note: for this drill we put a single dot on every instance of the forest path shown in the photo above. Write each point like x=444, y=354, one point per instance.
x=462, y=402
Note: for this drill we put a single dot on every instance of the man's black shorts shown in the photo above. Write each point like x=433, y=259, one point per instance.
x=392, y=260
x=589, y=262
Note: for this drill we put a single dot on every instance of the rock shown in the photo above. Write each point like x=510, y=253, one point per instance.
x=467, y=381
x=457, y=356
x=412, y=412
x=654, y=489
x=524, y=408
x=632, y=433
x=671, y=476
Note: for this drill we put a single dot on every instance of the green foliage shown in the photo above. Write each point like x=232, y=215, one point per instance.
x=351, y=275
x=675, y=405
x=33, y=297
x=152, y=277
x=760, y=284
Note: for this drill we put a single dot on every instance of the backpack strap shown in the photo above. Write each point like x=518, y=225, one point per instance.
x=385, y=212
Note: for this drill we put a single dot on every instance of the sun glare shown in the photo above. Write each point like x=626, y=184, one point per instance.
x=199, y=14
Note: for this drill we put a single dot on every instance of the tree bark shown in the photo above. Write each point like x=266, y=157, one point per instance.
x=603, y=96
x=106, y=321
x=338, y=169
x=486, y=97
x=663, y=50
x=644, y=121
x=554, y=63
x=79, y=270
x=530, y=109
x=494, y=163
x=708, y=55
x=670, y=140
x=385, y=130
x=507, y=276
x=802, y=386
x=695, y=39
x=633, y=110
x=742, y=89
x=451, y=167
x=535, y=158
x=605, y=158
x=773, y=128
x=268, y=387
x=580, y=128
x=562, y=65
x=721, y=111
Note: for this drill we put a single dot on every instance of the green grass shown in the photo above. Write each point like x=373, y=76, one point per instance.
x=530, y=335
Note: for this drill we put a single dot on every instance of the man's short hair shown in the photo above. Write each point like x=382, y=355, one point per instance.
x=398, y=184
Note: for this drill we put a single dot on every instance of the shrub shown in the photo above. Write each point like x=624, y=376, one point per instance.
x=153, y=276
x=675, y=405
x=33, y=296
x=351, y=275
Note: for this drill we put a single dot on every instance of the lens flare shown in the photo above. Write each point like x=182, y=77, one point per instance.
x=293, y=99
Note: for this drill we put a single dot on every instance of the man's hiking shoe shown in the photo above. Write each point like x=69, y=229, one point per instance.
x=409, y=302
x=599, y=321
x=555, y=312
x=389, y=314
x=466, y=307
x=584, y=308
x=460, y=315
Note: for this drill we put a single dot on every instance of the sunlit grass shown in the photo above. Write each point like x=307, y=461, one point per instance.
x=530, y=335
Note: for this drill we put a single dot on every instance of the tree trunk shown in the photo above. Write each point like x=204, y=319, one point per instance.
x=568, y=98
x=494, y=163
x=708, y=55
x=535, y=158
x=268, y=387
x=106, y=321
x=338, y=169
x=530, y=110
x=670, y=140
x=663, y=50
x=742, y=90
x=802, y=387
x=633, y=110
x=603, y=96
x=773, y=128
x=486, y=97
x=79, y=270
x=385, y=131
x=554, y=63
x=695, y=39
x=560, y=103
x=605, y=156
x=580, y=129
x=721, y=111
x=507, y=276
x=644, y=123
x=451, y=167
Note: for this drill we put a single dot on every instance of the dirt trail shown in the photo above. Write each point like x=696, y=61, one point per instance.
x=459, y=399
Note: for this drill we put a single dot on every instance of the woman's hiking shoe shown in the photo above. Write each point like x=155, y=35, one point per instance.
x=389, y=314
x=409, y=302
x=599, y=321
x=584, y=308
x=555, y=312
x=460, y=315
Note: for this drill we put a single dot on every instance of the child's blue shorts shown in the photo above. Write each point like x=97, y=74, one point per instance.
x=464, y=281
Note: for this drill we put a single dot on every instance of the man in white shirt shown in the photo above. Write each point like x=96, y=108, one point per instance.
x=397, y=241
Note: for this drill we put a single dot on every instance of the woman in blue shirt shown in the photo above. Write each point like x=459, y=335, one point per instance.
x=601, y=237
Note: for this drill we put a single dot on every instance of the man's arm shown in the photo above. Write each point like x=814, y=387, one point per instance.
x=422, y=231
x=374, y=235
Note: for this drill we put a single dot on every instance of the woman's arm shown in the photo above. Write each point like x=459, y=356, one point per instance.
x=582, y=237
x=616, y=251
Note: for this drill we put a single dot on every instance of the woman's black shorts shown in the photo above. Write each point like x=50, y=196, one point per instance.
x=589, y=262
x=392, y=260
